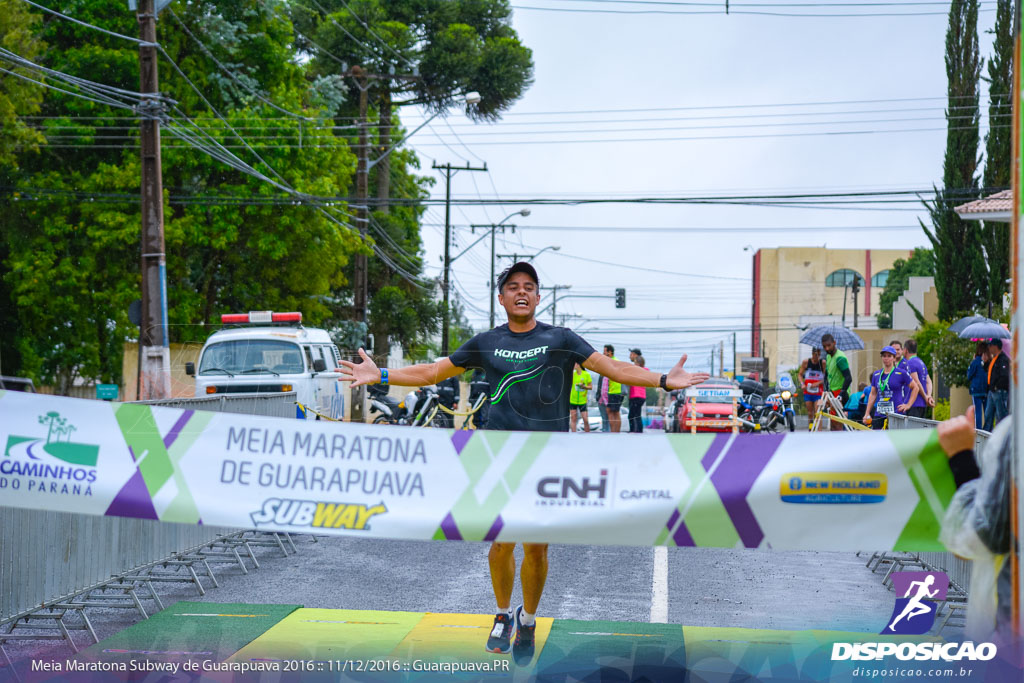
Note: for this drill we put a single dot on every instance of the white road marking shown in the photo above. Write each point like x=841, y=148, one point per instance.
x=659, y=586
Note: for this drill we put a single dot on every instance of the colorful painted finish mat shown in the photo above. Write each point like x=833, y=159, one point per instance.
x=845, y=491
x=314, y=645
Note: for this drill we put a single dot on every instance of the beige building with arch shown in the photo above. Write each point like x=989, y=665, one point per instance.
x=798, y=287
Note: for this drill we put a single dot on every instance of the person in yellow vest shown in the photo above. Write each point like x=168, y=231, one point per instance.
x=610, y=395
x=578, y=399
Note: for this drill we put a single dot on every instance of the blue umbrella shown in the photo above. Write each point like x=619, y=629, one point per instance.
x=959, y=325
x=986, y=329
x=846, y=340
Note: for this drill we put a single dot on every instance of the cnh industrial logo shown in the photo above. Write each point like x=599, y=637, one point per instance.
x=568, y=491
x=918, y=595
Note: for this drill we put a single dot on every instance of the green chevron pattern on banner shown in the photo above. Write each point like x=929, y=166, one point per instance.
x=934, y=484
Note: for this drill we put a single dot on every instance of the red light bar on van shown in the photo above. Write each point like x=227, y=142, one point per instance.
x=257, y=317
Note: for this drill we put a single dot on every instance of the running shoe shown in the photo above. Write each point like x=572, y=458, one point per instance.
x=522, y=649
x=500, y=640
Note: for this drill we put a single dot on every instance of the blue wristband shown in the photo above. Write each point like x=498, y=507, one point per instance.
x=383, y=375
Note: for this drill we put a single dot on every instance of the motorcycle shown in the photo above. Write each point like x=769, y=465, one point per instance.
x=392, y=411
x=780, y=414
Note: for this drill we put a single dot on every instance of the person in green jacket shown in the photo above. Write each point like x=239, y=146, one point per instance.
x=578, y=399
x=837, y=373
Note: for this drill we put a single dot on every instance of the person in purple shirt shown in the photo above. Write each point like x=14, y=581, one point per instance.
x=892, y=391
x=916, y=368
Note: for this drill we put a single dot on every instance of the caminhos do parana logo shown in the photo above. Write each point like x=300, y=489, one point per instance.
x=833, y=487
x=316, y=514
x=51, y=464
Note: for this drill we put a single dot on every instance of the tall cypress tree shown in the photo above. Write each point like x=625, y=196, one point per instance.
x=959, y=262
x=998, y=148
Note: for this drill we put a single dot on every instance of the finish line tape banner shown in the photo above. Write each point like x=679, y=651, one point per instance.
x=801, y=491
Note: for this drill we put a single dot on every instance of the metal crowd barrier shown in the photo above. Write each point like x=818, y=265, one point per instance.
x=266, y=405
x=958, y=569
x=55, y=563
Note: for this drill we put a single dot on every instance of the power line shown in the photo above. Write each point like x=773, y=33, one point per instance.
x=721, y=12
x=89, y=26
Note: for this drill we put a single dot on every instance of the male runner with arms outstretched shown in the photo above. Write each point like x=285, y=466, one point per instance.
x=529, y=368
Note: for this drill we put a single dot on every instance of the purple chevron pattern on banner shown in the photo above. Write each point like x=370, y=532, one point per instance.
x=176, y=429
x=460, y=438
x=133, y=500
x=450, y=530
x=495, y=529
x=737, y=470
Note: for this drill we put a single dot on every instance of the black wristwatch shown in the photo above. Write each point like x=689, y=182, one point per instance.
x=664, y=382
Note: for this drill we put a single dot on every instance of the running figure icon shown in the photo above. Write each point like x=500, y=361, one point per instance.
x=911, y=614
x=915, y=607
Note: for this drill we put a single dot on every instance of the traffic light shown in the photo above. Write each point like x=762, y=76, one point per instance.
x=856, y=285
x=620, y=298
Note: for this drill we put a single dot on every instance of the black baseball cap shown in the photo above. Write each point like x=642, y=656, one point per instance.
x=520, y=267
x=636, y=351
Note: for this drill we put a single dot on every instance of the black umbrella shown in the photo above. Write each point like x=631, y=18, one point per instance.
x=986, y=329
x=960, y=324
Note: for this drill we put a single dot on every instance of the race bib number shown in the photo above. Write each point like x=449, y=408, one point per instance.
x=885, y=406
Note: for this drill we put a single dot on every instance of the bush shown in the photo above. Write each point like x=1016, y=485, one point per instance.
x=941, y=410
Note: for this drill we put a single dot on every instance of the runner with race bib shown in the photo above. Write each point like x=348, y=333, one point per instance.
x=892, y=391
x=812, y=379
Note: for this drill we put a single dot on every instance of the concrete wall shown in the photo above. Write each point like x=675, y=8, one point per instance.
x=791, y=286
x=922, y=295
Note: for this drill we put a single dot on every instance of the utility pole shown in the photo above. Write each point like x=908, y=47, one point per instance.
x=712, y=361
x=449, y=171
x=361, y=283
x=493, y=227
x=554, y=298
x=721, y=357
x=855, y=290
x=735, y=370
x=154, y=344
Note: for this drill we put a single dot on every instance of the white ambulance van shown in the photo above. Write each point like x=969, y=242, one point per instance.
x=272, y=353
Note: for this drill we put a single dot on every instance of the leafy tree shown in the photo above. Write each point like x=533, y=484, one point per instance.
x=942, y=351
x=424, y=52
x=998, y=150
x=232, y=244
x=920, y=264
x=959, y=263
x=18, y=98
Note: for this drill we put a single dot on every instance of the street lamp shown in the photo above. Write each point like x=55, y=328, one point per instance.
x=515, y=257
x=491, y=228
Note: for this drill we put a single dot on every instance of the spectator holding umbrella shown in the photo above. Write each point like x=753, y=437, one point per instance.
x=998, y=377
x=837, y=373
x=977, y=381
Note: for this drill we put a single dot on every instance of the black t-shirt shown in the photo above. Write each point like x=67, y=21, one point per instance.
x=529, y=373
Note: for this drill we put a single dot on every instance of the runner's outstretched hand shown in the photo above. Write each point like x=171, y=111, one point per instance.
x=366, y=372
x=678, y=378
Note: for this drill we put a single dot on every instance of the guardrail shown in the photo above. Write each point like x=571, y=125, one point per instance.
x=44, y=555
x=958, y=569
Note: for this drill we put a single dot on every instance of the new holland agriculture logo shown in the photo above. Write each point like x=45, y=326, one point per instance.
x=833, y=487
x=917, y=597
x=54, y=464
x=318, y=515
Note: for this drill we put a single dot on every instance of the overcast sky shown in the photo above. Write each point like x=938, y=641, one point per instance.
x=691, y=76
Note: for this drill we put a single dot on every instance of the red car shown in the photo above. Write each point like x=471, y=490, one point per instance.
x=707, y=406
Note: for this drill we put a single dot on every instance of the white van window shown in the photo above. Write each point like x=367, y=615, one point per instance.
x=309, y=356
x=251, y=356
